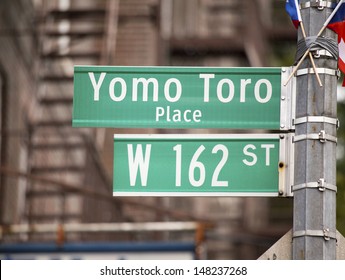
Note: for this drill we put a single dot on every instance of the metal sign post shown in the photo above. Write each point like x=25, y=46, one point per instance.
x=314, y=227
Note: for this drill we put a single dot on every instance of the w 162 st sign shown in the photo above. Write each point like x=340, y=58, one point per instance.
x=179, y=97
x=211, y=165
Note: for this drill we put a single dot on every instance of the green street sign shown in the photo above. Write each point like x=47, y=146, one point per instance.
x=202, y=165
x=180, y=97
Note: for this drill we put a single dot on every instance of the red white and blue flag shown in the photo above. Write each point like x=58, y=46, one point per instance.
x=292, y=8
x=337, y=24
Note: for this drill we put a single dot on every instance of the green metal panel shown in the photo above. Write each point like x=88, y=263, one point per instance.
x=183, y=165
x=177, y=97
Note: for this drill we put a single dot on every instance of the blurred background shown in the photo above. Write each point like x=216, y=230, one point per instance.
x=56, y=181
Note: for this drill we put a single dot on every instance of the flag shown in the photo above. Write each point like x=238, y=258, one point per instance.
x=292, y=8
x=337, y=24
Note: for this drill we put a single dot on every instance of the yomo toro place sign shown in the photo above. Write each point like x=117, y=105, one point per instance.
x=179, y=97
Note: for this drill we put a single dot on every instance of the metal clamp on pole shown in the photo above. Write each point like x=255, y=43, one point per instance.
x=316, y=119
x=319, y=4
x=326, y=71
x=321, y=53
x=322, y=136
x=325, y=233
x=320, y=184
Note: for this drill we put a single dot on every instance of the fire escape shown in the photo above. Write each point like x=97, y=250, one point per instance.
x=66, y=36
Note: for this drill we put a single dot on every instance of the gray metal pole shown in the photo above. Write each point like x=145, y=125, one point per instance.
x=314, y=224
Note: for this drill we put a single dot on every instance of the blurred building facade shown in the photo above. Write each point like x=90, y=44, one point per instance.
x=53, y=174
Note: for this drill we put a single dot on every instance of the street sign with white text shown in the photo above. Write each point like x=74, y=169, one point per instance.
x=180, y=97
x=202, y=165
